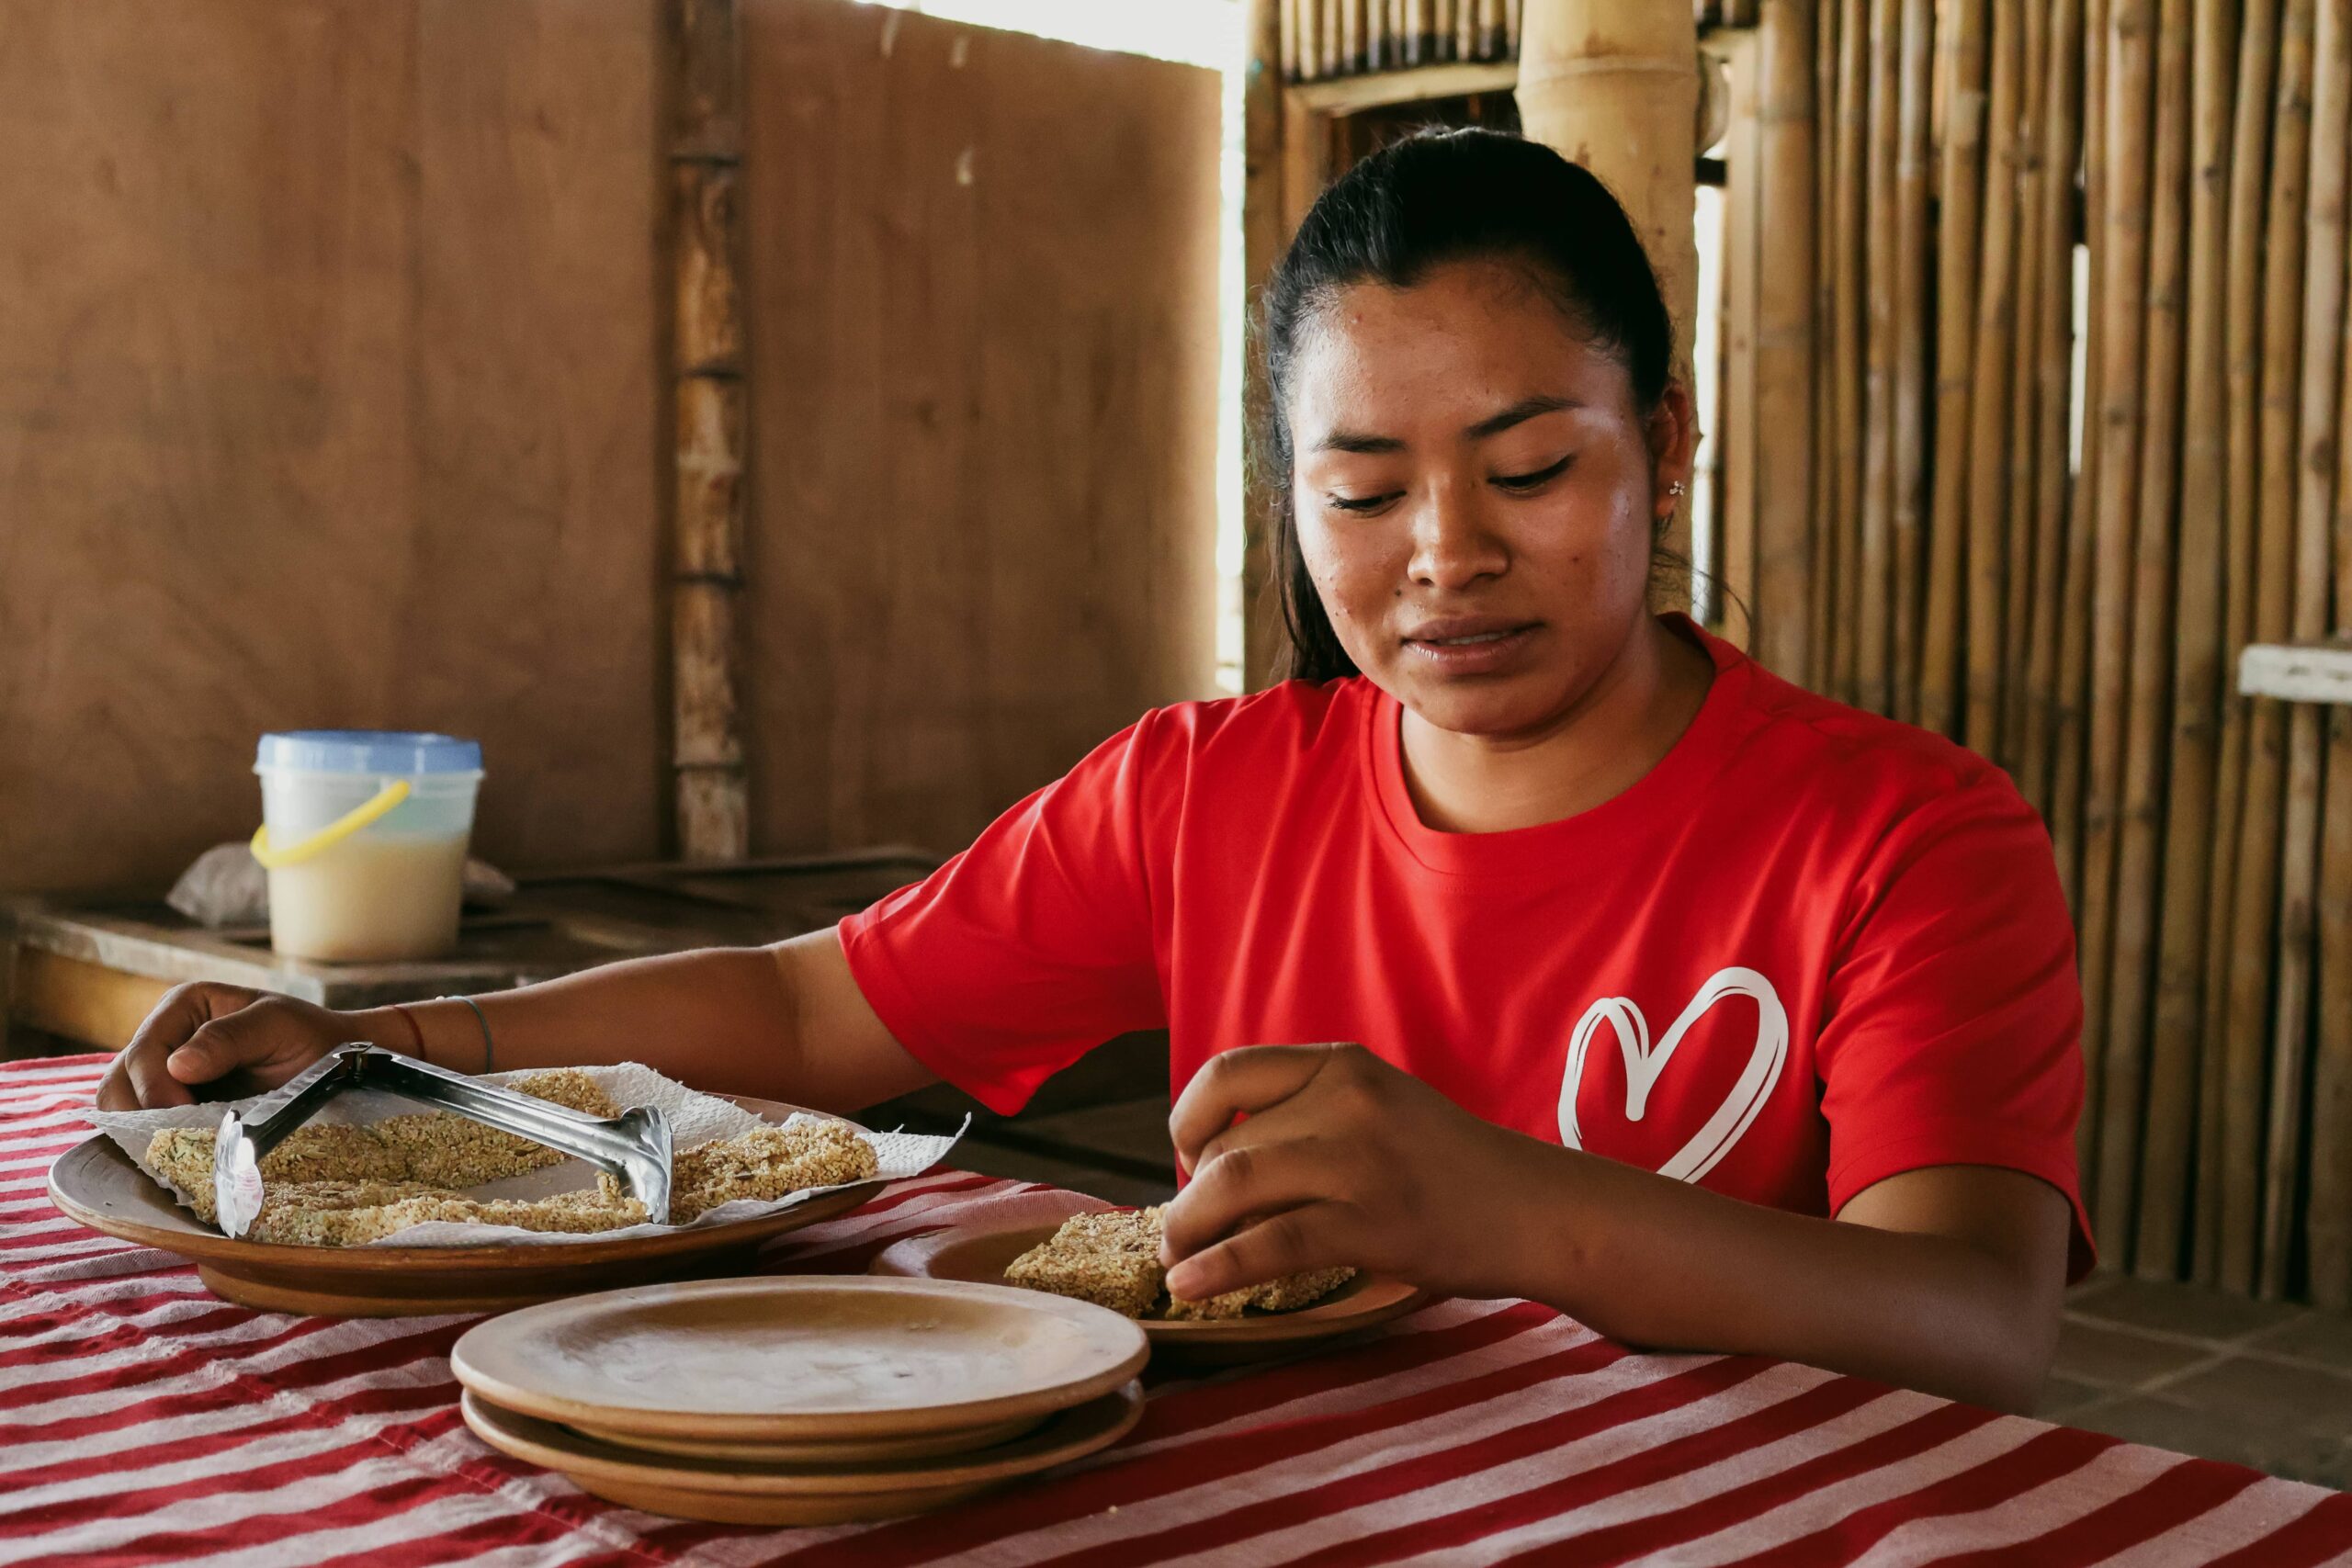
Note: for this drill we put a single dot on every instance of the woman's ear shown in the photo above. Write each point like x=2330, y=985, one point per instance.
x=1673, y=438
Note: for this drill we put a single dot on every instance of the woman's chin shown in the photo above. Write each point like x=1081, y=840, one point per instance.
x=1490, y=707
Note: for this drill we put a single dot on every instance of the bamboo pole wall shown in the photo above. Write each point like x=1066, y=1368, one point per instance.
x=2060, y=287
x=1320, y=39
x=712, y=789
x=2079, y=434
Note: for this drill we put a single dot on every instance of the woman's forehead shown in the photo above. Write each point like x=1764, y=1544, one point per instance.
x=1465, y=341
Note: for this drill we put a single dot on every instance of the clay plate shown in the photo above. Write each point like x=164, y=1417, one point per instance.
x=95, y=1183
x=980, y=1254
x=783, y=1369
x=731, y=1493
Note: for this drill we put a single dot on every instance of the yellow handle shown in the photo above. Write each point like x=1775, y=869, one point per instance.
x=334, y=833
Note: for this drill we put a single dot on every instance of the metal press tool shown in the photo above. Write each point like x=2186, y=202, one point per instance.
x=634, y=1146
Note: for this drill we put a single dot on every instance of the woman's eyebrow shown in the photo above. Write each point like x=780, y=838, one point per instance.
x=1518, y=412
x=1348, y=441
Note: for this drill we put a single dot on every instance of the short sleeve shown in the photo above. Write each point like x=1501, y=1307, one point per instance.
x=1032, y=946
x=1955, y=1016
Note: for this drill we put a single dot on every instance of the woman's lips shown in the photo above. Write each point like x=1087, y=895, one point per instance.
x=1467, y=648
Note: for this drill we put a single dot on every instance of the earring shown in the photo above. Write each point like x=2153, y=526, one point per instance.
x=1675, y=489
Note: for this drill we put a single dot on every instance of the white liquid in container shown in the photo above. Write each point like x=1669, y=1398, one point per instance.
x=375, y=896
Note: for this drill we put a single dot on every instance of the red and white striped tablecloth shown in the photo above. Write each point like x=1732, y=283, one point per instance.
x=142, y=1421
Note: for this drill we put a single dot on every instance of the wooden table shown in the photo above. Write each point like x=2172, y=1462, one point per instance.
x=142, y=1421
x=88, y=971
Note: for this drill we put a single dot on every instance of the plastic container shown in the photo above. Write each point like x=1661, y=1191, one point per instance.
x=364, y=836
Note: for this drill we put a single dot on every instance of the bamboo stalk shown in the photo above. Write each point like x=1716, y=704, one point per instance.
x=2314, y=500
x=1879, y=238
x=1853, y=107
x=1515, y=18
x=1964, y=46
x=1466, y=29
x=1617, y=88
x=2328, y=1227
x=711, y=777
x=1783, y=469
x=1741, y=278
x=2115, y=500
x=2168, y=1146
x=2016, y=618
x=1829, y=564
x=1289, y=23
x=2071, y=705
x=1351, y=35
x=2140, y=827
x=1988, y=423
x=2053, y=372
x=2254, y=920
x=1914, y=306
x=2249, y=186
x=1493, y=41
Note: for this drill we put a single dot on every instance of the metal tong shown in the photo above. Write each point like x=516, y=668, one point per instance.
x=633, y=1146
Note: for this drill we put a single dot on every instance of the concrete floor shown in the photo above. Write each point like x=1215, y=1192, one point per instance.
x=2196, y=1370
x=2206, y=1373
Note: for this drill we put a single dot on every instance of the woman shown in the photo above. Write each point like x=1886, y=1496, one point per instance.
x=1706, y=1010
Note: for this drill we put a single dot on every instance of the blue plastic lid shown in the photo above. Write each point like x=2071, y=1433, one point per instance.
x=368, y=752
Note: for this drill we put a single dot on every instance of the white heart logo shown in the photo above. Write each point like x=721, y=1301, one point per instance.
x=1740, y=1107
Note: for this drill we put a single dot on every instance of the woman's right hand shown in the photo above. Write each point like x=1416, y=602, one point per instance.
x=213, y=1042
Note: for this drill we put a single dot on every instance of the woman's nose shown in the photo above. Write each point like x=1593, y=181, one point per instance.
x=1452, y=545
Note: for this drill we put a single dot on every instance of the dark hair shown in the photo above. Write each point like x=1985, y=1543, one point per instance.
x=1437, y=196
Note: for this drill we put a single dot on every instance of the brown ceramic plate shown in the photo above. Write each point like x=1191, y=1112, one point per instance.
x=794, y=1363
x=733, y=1493
x=97, y=1184
x=980, y=1253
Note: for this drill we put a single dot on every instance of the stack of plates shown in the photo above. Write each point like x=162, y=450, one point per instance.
x=802, y=1401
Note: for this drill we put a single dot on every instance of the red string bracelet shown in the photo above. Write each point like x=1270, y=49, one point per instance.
x=422, y=1055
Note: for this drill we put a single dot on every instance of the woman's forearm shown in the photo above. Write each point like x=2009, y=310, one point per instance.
x=1663, y=1264
x=768, y=1022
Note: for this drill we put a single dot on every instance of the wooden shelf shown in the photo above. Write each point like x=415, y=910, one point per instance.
x=1459, y=79
x=2296, y=672
x=88, y=971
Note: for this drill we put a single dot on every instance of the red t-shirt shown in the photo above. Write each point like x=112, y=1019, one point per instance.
x=1810, y=950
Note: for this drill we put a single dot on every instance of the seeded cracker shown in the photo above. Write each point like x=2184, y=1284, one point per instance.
x=1112, y=1260
x=333, y=1185
x=764, y=1163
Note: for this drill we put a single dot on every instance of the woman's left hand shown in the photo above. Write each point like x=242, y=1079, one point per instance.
x=1343, y=1159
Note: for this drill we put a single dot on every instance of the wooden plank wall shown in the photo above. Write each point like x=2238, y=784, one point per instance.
x=327, y=396
x=330, y=394
x=983, y=404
